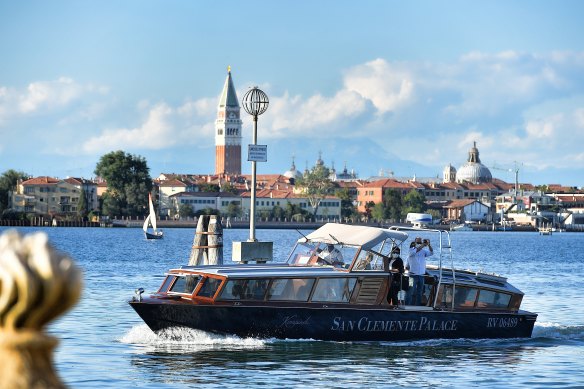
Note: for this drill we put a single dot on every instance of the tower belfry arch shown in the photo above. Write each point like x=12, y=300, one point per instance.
x=228, y=128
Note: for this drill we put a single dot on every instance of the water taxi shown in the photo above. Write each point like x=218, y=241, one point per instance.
x=334, y=286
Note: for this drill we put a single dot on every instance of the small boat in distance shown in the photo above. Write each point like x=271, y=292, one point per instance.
x=313, y=295
x=419, y=220
x=151, y=220
x=462, y=227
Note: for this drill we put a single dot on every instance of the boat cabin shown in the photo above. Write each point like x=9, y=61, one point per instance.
x=340, y=266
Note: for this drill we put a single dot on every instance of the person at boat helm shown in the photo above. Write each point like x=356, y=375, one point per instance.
x=417, y=267
x=332, y=255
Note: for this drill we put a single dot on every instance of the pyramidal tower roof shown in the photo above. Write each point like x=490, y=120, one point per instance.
x=228, y=96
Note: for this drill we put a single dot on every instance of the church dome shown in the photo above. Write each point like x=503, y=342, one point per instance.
x=292, y=173
x=473, y=170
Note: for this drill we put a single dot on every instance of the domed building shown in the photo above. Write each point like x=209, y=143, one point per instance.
x=473, y=170
x=319, y=161
x=292, y=173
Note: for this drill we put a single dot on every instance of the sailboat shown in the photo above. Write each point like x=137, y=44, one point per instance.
x=151, y=219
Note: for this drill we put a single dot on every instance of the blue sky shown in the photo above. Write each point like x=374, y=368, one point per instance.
x=379, y=85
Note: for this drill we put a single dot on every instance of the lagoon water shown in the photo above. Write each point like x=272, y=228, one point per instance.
x=105, y=344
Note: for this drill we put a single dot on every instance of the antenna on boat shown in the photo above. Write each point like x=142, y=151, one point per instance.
x=304, y=236
x=336, y=240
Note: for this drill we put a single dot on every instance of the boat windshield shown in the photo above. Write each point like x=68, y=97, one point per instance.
x=322, y=254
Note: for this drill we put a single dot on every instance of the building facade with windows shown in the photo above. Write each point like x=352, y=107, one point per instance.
x=52, y=196
x=266, y=200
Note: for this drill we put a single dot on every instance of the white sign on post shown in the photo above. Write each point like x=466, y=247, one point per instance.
x=257, y=153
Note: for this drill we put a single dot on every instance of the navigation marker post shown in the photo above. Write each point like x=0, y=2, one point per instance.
x=255, y=102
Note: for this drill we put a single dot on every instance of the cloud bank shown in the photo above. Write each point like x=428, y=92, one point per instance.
x=518, y=107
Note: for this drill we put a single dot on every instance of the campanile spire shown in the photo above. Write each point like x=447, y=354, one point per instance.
x=228, y=130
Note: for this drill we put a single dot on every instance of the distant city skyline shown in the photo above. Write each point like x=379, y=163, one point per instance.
x=397, y=86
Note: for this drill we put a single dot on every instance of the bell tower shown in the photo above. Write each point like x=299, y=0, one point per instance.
x=228, y=131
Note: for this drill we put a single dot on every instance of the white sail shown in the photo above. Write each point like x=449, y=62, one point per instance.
x=146, y=221
x=152, y=214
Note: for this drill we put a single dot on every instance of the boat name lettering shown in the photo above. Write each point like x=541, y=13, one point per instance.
x=291, y=321
x=366, y=325
x=501, y=322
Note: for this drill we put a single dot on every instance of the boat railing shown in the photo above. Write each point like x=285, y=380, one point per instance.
x=444, y=253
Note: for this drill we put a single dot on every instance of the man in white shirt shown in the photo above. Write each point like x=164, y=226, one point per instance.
x=417, y=268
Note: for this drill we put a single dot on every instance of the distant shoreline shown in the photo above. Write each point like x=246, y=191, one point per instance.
x=240, y=224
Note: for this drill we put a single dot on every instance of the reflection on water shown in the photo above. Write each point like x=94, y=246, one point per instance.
x=105, y=344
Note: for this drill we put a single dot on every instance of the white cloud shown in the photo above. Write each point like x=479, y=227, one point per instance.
x=205, y=107
x=542, y=128
x=294, y=115
x=54, y=94
x=46, y=97
x=157, y=132
x=388, y=86
x=516, y=106
x=579, y=118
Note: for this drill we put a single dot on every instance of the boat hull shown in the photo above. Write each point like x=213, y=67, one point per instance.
x=153, y=236
x=334, y=323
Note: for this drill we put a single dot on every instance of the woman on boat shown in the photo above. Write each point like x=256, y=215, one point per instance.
x=396, y=266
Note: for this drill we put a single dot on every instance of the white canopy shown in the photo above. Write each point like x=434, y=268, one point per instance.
x=367, y=237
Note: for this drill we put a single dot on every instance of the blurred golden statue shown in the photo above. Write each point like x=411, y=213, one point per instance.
x=37, y=284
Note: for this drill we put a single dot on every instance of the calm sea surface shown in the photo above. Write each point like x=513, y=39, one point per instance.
x=105, y=344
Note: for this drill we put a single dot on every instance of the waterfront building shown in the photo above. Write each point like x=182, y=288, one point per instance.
x=266, y=200
x=573, y=202
x=201, y=201
x=171, y=185
x=228, y=128
x=374, y=191
x=52, y=196
x=523, y=201
x=466, y=210
x=89, y=187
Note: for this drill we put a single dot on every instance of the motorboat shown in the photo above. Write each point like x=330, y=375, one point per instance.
x=461, y=227
x=313, y=295
x=419, y=220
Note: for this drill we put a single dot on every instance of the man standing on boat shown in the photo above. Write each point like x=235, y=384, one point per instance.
x=417, y=268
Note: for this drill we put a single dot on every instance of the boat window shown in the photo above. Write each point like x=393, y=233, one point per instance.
x=464, y=297
x=290, y=289
x=167, y=281
x=492, y=299
x=245, y=289
x=334, y=289
x=315, y=253
x=368, y=261
x=209, y=287
x=301, y=254
x=347, y=255
x=185, y=284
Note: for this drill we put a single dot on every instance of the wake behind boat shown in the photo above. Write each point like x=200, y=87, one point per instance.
x=334, y=286
x=151, y=220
